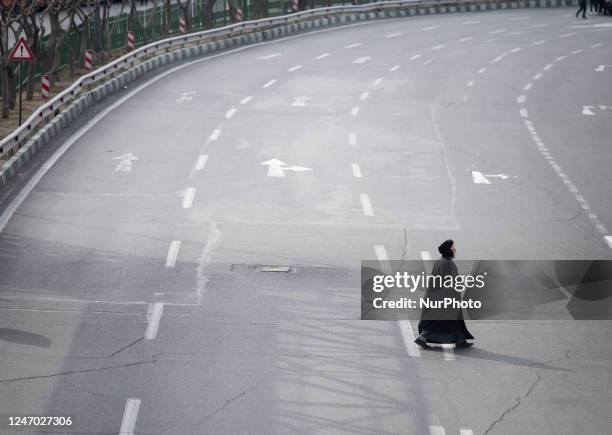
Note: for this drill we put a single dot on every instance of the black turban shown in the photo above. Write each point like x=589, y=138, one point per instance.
x=445, y=249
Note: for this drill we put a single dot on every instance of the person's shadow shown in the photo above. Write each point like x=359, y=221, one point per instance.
x=24, y=337
x=479, y=353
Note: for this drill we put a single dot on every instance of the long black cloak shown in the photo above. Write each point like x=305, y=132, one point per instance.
x=443, y=325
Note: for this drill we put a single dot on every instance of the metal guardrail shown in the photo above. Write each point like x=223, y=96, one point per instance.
x=19, y=136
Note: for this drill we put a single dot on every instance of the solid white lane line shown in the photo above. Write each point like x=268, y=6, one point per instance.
x=435, y=427
x=415, y=57
x=481, y=70
x=437, y=47
x=366, y=205
x=295, y=68
x=356, y=44
x=130, y=415
x=527, y=86
x=539, y=42
x=393, y=35
x=608, y=240
x=154, y=319
x=538, y=76
x=270, y=83
x=188, y=197
x=230, y=113
x=378, y=81
x=394, y=68
x=467, y=38
x=245, y=100
x=322, y=56
x=355, y=111
x=470, y=83
x=364, y=95
x=215, y=134
x=356, y=170
x=201, y=162
x=352, y=138
x=173, y=252
x=524, y=113
x=521, y=99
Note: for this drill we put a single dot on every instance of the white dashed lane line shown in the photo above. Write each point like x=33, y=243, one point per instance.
x=356, y=170
x=521, y=99
x=270, y=83
x=352, y=139
x=394, y=68
x=538, y=76
x=467, y=38
x=230, y=113
x=130, y=415
x=356, y=44
x=393, y=35
x=415, y=57
x=438, y=47
x=355, y=111
x=527, y=86
x=425, y=29
x=543, y=41
x=481, y=70
x=202, y=159
x=364, y=95
x=215, y=134
x=378, y=81
x=366, y=205
x=322, y=56
x=245, y=100
x=155, y=315
x=173, y=252
x=295, y=68
x=188, y=197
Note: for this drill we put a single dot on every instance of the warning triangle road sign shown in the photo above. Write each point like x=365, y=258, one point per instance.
x=21, y=51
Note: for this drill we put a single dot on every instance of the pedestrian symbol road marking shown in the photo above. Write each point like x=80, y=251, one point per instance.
x=277, y=168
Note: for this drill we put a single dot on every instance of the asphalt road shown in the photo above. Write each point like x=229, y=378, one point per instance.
x=133, y=288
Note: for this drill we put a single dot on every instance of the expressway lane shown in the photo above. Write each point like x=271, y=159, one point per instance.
x=242, y=350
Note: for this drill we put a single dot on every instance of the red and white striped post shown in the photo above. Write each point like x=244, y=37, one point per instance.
x=296, y=5
x=88, y=60
x=46, y=84
x=182, y=25
x=238, y=14
x=131, y=40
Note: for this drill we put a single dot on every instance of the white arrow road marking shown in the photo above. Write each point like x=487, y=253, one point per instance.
x=270, y=56
x=479, y=178
x=586, y=110
x=173, y=251
x=125, y=162
x=130, y=415
x=300, y=101
x=363, y=59
x=277, y=168
x=188, y=197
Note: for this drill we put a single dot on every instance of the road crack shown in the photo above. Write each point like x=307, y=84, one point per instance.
x=516, y=405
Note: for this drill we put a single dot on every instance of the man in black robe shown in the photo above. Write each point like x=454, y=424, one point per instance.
x=443, y=325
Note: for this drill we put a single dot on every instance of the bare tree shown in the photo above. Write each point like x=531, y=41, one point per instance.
x=9, y=17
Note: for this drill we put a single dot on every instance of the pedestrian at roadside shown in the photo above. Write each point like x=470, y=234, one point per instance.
x=582, y=8
x=443, y=325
